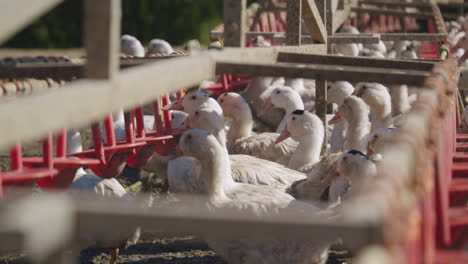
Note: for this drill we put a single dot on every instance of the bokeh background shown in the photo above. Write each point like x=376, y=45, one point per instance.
x=176, y=21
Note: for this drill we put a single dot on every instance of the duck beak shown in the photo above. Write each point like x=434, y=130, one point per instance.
x=283, y=136
x=335, y=119
x=177, y=105
x=267, y=107
x=182, y=128
x=370, y=152
x=331, y=176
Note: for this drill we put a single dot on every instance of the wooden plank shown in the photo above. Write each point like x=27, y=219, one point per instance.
x=192, y=216
x=387, y=3
x=423, y=15
x=327, y=72
x=313, y=20
x=413, y=36
x=356, y=61
x=19, y=13
x=340, y=16
x=321, y=108
x=354, y=39
x=294, y=23
x=234, y=23
x=102, y=33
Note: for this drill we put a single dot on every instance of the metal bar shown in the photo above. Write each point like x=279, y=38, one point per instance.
x=294, y=23
x=234, y=23
x=356, y=61
x=354, y=39
x=19, y=13
x=328, y=72
x=102, y=32
x=423, y=15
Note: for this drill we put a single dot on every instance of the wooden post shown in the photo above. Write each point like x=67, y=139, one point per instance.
x=234, y=23
x=102, y=33
x=294, y=23
x=321, y=84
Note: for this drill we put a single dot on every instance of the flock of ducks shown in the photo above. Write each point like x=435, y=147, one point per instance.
x=228, y=152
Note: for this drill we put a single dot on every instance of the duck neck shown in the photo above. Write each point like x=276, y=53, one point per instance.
x=241, y=125
x=217, y=169
x=400, y=102
x=356, y=134
x=381, y=116
x=308, y=150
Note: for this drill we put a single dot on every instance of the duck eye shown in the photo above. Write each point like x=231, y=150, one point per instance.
x=364, y=87
x=194, y=97
x=277, y=92
x=196, y=113
x=376, y=137
x=222, y=101
x=172, y=116
x=189, y=136
x=293, y=118
x=345, y=158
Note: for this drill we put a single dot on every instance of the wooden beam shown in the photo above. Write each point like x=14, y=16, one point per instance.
x=386, y=3
x=19, y=13
x=193, y=216
x=314, y=22
x=354, y=39
x=413, y=36
x=294, y=23
x=234, y=23
x=327, y=72
x=102, y=34
x=356, y=61
x=402, y=13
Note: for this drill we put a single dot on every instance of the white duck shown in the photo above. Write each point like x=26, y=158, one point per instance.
x=241, y=140
x=194, y=100
x=106, y=188
x=306, y=90
x=223, y=192
x=160, y=46
x=377, y=141
x=336, y=93
x=131, y=46
x=348, y=49
x=379, y=100
x=356, y=114
x=285, y=98
x=246, y=169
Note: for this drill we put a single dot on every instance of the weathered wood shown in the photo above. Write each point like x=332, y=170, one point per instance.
x=423, y=15
x=356, y=61
x=102, y=32
x=19, y=13
x=234, y=23
x=313, y=20
x=321, y=108
x=388, y=3
x=329, y=17
x=294, y=23
x=413, y=36
x=327, y=72
x=192, y=216
x=354, y=39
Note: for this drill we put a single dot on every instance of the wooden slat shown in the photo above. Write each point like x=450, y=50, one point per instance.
x=413, y=36
x=192, y=216
x=327, y=72
x=102, y=33
x=294, y=23
x=354, y=39
x=388, y=3
x=234, y=23
x=423, y=15
x=356, y=61
x=313, y=20
x=19, y=13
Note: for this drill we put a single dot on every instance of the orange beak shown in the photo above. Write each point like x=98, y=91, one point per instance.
x=283, y=136
x=331, y=176
x=267, y=107
x=335, y=119
x=177, y=105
